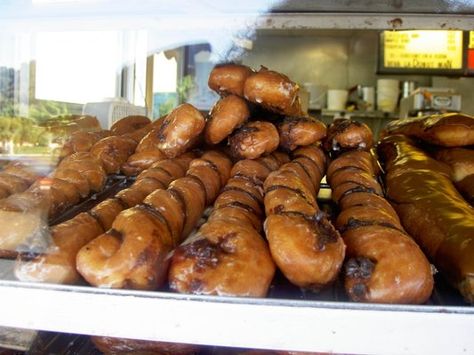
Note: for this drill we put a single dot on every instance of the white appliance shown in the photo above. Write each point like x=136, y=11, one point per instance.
x=110, y=111
x=430, y=100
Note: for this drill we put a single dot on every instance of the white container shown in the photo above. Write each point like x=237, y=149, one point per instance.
x=387, y=101
x=110, y=111
x=390, y=84
x=368, y=96
x=317, y=95
x=337, y=99
x=388, y=92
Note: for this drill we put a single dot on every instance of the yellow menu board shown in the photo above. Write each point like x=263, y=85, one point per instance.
x=423, y=49
x=471, y=40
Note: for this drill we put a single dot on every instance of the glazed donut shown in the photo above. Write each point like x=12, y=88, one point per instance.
x=23, y=202
x=227, y=114
x=345, y=181
x=109, y=345
x=81, y=141
x=140, y=161
x=22, y=171
x=74, y=177
x=431, y=210
x=133, y=253
x=274, y=91
x=447, y=130
x=303, y=243
x=353, y=160
x=129, y=124
x=384, y=265
x=461, y=161
x=179, y=130
x=139, y=134
x=227, y=256
x=113, y=152
x=300, y=131
x=254, y=139
x=58, y=264
x=146, y=153
x=89, y=166
x=345, y=134
x=229, y=79
x=57, y=194
x=12, y=184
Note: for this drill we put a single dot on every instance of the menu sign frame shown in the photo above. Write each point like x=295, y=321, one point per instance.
x=442, y=53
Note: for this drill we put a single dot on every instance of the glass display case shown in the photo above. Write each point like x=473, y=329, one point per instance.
x=62, y=60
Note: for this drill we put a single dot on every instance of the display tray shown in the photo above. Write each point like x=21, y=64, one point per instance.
x=288, y=319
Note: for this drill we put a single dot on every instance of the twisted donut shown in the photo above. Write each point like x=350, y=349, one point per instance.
x=227, y=256
x=227, y=79
x=254, y=139
x=133, y=253
x=179, y=130
x=344, y=134
x=58, y=264
x=227, y=114
x=129, y=124
x=431, y=210
x=81, y=141
x=304, y=244
x=113, y=152
x=384, y=264
x=274, y=91
x=300, y=131
x=146, y=153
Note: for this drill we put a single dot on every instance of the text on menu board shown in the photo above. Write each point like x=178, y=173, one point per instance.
x=423, y=49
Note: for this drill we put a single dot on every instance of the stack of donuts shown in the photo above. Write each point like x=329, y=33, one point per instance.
x=303, y=242
x=171, y=136
x=255, y=163
x=133, y=252
x=227, y=256
x=83, y=141
x=16, y=177
x=76, y=177
x=258, y=112
x=384, y=264
x=58, y=264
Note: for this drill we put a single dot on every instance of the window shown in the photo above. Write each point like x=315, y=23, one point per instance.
x=77, y=67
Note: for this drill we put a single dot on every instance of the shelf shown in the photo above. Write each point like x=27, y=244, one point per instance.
x=302, y=325
x=359, y=114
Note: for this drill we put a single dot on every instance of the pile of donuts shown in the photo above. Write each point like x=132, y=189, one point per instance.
x=429, y=177
x=220, y=202
x=258, y=167
x=86, y=162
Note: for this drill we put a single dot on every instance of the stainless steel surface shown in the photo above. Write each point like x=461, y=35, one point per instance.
x=408, y=87
x=294, y=324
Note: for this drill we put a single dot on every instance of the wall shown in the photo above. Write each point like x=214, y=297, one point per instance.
x=338, y=59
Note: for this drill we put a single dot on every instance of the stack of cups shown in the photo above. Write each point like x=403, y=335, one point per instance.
x=337, y=99
x=387, y=94
x=368, y=96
